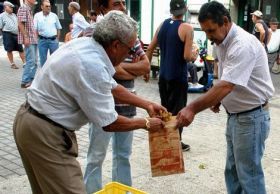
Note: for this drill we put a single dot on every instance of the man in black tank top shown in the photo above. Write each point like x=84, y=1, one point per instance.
x=260, y=30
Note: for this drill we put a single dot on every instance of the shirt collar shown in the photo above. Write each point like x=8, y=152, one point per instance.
x=230, y=34
x=108, y=62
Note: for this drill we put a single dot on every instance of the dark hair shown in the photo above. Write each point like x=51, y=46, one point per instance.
x=92, y=13
x=213, y=11
x=104, y=3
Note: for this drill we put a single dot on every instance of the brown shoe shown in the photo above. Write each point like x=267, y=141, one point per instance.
x=14, y=66
x=25, y=85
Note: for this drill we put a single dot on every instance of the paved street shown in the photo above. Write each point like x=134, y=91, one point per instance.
x=205, y=135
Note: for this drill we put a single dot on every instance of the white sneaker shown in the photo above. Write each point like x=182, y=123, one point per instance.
x=197, y=85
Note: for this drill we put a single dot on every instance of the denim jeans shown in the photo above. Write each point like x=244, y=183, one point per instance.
x=30, y=65
x=246, y=134
x=44, y=45
x=99, y=141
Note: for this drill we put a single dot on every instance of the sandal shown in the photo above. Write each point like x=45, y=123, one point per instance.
x=14, y=66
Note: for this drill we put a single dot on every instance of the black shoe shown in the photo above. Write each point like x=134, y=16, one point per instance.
x=185, y=147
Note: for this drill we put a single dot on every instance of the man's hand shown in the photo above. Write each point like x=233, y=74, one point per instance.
x=26, y=42
x=146, y=77
x=216, y=108
x=185, y=117
x=155, y=124
x=154, y=109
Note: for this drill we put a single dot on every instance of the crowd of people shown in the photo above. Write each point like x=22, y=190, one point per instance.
x=90, y=80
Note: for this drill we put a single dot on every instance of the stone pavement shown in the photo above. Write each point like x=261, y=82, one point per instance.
x=205, y=135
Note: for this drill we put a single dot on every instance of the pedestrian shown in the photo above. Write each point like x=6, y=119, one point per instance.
x=27, y=36
x=76, y=87
x=9, y=28
x=92, y=17
x=48, y=28
x=244, y=89
x=79, y=22
x=135, y=64
x=260, y=30
x=274, y=43
x=175, y=39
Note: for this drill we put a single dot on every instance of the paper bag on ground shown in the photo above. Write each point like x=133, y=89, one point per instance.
x=165, y=150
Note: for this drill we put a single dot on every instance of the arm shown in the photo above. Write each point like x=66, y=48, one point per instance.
x=139, y=67
x=128, y=124
x=211, y=99
x=58, y=34
x=25, y=35
x=186, y=35
x=122, y=95
x=260, y=28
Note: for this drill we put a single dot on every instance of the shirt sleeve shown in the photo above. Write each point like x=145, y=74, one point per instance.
x=35, y=21
x=1, y=22
x=238, y=64
x=95, y=97
x=57, y=23
x=138, y=48
x=82, y=23
x=22, y=15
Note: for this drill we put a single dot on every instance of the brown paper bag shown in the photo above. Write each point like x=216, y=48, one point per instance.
x=165, y=151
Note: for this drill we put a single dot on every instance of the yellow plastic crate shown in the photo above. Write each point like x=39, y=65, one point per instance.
x=118, y=188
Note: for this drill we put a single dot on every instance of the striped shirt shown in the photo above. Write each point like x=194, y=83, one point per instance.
x=25, y=16
x=8, y=22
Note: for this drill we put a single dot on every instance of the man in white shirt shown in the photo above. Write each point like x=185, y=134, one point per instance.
x=48, y=28
x=79, y=22
x=244, y=89
x=274, y=43
x=76, y=87
x=9, y=28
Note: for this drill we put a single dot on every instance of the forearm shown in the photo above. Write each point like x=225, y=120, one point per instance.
x=22, y=29
x=122, y=95
x=121, y=74
x=139, y=68
x=262, y=36
x=58, y=34
x=212, y=97
x=126, y=124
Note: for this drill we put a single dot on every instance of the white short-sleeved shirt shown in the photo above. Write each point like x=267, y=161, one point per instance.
x=74, y=86
x=274, y=42
x=79, y=24
x=46, y=25
x=243, y=62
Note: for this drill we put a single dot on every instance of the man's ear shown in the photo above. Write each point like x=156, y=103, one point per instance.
x=114, y=46
x=226, y=21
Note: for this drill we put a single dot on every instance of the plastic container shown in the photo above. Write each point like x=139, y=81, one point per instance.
x=118, y=188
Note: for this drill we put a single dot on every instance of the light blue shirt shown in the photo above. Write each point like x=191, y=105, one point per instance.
x=74, y=86
x=46, y=25
x=243, y=62
x=79, y=25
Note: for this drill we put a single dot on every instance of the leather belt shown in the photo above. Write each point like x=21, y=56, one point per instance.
x=47, y=38
x=263, y=106
x=41, y=116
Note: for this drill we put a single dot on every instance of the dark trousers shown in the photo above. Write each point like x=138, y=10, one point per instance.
x=173, y=95
x=48, y=153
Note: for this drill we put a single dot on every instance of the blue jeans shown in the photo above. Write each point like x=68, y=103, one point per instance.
x=99, y=141
x=246, y=134
x=44, y=45
x=30, y=65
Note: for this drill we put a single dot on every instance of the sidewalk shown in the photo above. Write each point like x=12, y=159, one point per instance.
x=205, y=135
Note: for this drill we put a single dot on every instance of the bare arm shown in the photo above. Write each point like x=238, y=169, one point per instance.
x=260, y=28
x=122, y=95
x=128, y=124
x=186, y=35
x=211, y=99
x=58, y=34
x=25, y=35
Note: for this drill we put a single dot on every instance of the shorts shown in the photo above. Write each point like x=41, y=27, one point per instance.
x=10, y=42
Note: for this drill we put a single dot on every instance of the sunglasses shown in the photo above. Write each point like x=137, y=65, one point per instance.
x=131, y=49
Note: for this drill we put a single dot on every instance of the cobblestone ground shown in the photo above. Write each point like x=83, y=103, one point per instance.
x=205, y=135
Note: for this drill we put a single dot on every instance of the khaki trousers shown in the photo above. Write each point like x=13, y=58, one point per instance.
x=48, y=154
